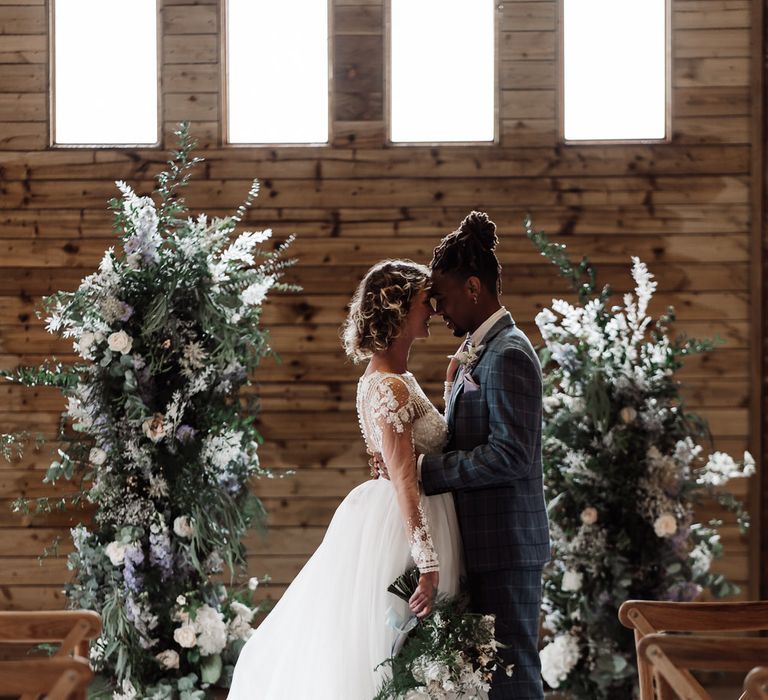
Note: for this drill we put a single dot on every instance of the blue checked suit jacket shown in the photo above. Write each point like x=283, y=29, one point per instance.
x=492, y=462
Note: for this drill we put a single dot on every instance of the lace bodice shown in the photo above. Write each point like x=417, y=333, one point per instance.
x=376, y=399
x=398, y=421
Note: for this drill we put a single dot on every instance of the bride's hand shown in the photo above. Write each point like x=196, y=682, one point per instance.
x=424, y=596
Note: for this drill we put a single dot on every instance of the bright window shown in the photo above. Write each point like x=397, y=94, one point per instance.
x=105, y=72
x=277, y=71
x=442, y=70
x=615, y=71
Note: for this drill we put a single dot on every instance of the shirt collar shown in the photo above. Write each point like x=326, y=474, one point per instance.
x=482, y=330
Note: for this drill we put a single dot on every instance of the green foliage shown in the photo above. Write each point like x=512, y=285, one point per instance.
x=622, y=474
x=156, y=438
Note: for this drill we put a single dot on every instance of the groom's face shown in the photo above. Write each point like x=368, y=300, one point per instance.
x=452, y=299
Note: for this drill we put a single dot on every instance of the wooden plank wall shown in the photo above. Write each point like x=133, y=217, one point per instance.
x=683, y=207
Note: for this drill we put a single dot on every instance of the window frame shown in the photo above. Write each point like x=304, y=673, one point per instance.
x=668, y=92
x=224, y=90
x=51, y=92
x=496, y=140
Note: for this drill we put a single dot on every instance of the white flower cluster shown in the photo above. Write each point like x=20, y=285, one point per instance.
x=208, y=631
x=222, y=452
x=613, y=342
x=440, y=682
x=721, y=467
x=239, y=627
x=559, y=658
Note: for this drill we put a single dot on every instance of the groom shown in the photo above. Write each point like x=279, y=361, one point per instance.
x=492, y=462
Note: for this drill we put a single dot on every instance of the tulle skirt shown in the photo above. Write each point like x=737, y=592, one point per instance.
x=331, y=628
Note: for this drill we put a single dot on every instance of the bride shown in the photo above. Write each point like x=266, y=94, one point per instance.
x=336, y=622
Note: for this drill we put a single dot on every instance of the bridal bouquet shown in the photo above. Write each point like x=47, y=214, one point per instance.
x=156, y=441
x=624, y=469
x=449, y=654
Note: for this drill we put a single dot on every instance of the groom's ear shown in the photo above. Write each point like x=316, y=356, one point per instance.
x=474, y=285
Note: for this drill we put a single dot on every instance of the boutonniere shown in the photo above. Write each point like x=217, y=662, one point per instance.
x=467, y=358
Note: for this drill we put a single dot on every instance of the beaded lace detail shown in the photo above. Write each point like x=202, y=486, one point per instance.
x=398, y=420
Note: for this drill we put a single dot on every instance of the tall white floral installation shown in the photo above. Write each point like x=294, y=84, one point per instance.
x=623, y=471
x=157, y=441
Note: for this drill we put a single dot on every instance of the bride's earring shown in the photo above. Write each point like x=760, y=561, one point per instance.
x=474, y=299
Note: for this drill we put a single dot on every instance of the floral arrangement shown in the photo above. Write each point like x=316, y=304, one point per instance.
x=156, y=440
x=449, y=654
x=623, y=471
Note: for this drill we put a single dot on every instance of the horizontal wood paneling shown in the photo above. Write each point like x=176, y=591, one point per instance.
x=683, y=207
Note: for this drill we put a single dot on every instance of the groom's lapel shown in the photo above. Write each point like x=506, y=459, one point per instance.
x=458, y=386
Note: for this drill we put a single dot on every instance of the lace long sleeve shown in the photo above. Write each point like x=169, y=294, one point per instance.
x=394, y=415
x=447, y=391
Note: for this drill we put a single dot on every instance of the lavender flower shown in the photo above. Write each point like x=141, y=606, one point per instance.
x=185, y=434
x=134, y=556
x=160, y=551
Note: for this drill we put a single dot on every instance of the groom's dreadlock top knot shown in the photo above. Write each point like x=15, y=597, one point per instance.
x=470, y=251
x=379, y=306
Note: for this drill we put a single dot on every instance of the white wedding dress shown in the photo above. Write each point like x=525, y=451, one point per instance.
x=330, y=629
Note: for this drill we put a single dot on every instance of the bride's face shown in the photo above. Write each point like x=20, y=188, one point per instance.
x=417, y=319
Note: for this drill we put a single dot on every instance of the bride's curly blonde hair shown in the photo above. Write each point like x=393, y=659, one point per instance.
x=379, y=306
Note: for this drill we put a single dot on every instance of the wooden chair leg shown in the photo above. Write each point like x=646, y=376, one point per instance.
x=82, y=650
x=663, y=689
x=644, y=672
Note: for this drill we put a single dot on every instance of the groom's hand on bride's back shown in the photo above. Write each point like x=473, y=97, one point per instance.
x=378, y=468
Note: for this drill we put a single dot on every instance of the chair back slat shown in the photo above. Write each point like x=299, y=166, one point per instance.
x=665, y=616
x=48, y=626
x=709, y=653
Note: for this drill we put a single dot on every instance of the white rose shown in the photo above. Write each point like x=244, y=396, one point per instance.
x=183, y=526
x=181, y=600
x=116, y=552
x=589, y=516
x=665, y=525
x=253, y=583
x=749, y=464
x=120, y=342
x=168, y=658
x=154, y=427
x=97, y=456
x=185, y=636
x=571, y=580
x=628, y=415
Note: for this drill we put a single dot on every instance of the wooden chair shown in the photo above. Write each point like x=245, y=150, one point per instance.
x=57, y=678
x=71, y=629
x=756, y=683
x=672, y=657
x=648, y=617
